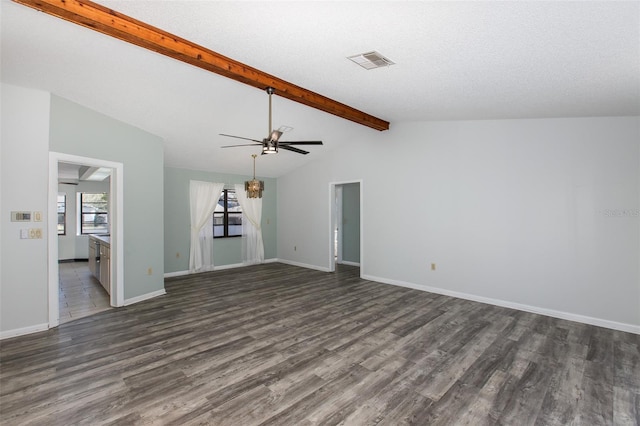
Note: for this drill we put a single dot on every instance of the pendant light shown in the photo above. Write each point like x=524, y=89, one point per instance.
x=254, y=187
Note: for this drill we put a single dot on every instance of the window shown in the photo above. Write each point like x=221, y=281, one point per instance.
x=227, y=217
x=94, y=216
x=62, y=214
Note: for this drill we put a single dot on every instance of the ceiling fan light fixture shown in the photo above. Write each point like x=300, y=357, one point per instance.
x=269, y=150
x=269, y=146
x=254, y=187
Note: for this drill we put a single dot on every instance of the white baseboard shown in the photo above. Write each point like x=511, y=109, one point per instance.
x=230, y=266
x=215, y=268
x=176, y=274
x=22, y=331
x=304, y=265
x=346, y=262
x=143, y=297
x=629, y=328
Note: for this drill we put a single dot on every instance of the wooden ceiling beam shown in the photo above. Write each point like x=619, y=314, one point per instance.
x=99, y=18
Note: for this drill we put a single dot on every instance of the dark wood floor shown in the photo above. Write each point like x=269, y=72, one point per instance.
x=280, y=345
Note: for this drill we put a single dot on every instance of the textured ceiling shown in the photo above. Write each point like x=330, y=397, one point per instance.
x=454, y=60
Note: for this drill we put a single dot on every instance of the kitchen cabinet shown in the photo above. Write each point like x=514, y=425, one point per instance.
x=93, y=256
x=100, y=259
x=105, y=267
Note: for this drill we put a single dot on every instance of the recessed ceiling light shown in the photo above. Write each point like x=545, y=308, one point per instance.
x=371, y=60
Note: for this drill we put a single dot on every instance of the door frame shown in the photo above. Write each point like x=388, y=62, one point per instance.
x=333, y=222
x=116, y=213
x=338, y=223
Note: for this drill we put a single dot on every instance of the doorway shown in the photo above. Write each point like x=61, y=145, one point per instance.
x=114, y=171
x=346, y=224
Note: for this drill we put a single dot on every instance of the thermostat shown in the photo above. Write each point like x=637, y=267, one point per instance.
x=20, y=216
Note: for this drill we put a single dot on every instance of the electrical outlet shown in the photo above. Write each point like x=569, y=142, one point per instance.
x=177, y=255
x=149, y=271
x=38, y=233
x=295, y=248
x=433, y=266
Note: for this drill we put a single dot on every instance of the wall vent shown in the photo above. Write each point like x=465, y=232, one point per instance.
x=371, y=60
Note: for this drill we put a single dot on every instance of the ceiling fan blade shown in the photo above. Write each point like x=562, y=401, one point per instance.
x=244, y=144
x=240, y=137
x=290, y=148
x=300, y=143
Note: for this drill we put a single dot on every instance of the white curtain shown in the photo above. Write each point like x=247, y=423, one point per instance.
x=252, y=246
x=203, y=197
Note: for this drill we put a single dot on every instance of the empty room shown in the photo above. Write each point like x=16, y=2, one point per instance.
x=319, y=212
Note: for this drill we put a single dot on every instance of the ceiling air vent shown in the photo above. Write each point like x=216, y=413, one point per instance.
x=371, y=60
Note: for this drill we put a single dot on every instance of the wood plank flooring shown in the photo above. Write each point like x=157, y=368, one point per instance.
x=280, y=345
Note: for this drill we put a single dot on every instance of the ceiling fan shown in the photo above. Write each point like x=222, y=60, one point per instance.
x=271, y=144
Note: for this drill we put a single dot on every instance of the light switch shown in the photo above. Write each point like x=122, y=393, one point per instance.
x=37, y=216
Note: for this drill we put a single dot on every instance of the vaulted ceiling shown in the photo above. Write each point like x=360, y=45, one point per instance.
x=454, y=61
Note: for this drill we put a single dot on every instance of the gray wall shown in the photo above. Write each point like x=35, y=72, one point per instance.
x=537, y=214
x=226, y=251
x=24, y=176
x=351, y=222
x=79, y=131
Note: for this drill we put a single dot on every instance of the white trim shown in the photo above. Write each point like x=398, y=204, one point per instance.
x=231, y=266
x=144, y=297
x=176, y=274
x=346, y=262
x=337, y=225
x=216, y=268
x=304, y=265
x=117, y=229
x=629, y=328
x=332, y=224
x=53, y=292
x=25, y=330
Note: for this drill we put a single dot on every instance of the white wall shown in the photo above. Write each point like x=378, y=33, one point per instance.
x=24, y=174
x=536, y=214
x=72, y=245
